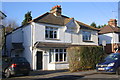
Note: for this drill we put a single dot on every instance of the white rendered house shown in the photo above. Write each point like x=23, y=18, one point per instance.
x=110, y=34
x=44, y=40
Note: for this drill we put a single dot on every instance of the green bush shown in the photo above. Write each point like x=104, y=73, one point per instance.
x=84, y=57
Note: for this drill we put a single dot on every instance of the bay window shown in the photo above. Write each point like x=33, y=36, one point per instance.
x=58, y=55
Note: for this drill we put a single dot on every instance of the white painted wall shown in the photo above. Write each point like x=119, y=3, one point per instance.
x=27, y=43
x=8, y=44
x=17, y=36
x=63, y=35
x=61, y=66
x=109, y=38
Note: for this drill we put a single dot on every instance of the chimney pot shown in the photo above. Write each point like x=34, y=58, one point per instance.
x=56, y=10
x=112, y=22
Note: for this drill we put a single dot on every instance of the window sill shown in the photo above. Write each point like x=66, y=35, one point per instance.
x=52, y=39
x=87, y=41
x=59, y=62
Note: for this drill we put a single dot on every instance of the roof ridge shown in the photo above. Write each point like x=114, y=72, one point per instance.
x=38, y=17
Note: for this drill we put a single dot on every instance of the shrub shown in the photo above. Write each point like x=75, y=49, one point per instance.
x=84, y=57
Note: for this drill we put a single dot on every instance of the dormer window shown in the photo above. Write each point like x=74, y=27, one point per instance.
x=86, y=35
x=51, y=33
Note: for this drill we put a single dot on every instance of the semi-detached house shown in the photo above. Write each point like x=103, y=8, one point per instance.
x=44, y=40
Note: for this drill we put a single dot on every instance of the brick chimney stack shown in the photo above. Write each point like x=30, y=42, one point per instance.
x=112, y=22
x=56, y=10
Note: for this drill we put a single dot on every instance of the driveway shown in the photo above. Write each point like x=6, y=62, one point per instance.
x=66, y=75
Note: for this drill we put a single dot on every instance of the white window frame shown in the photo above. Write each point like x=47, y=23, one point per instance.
x=52, y=55
x=48, y=31
x=86, y=35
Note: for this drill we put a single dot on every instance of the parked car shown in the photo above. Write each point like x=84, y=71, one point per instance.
x=14, y=66
x=110, y=64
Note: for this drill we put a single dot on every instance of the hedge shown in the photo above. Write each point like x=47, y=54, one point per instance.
x=84, y=57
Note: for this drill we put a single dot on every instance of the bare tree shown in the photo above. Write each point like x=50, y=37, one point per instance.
x=10, y=25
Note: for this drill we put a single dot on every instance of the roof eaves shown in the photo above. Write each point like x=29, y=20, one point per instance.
x=3, y=13
x=91, y=27
x=18, y=28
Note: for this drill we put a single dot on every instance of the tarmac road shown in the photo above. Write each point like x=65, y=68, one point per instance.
x=66, y=75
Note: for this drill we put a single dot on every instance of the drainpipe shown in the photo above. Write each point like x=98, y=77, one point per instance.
x=32, y=25
x=113, y=42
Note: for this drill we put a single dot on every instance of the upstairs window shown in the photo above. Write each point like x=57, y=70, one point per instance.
x=86, y=36
x=51, y=33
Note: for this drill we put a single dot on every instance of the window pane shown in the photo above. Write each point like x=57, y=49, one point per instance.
x=61, y=50
x=61, y=57
x=64, y=50
x=119, y=38
x=55, y=34
x=64, y=57
x=50, y=60
x=46, y=34
x=56, y=57
x=56, y=50
x=51, y=34
x=51, y=50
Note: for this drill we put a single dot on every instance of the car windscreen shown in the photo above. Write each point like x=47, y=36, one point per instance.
x=19, y=59
x=112, y=57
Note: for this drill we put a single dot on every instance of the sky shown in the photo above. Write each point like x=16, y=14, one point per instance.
x=86, y=12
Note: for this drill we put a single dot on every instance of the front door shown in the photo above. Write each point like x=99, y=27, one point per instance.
x=39, y=60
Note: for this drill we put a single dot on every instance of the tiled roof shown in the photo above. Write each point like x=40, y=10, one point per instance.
x=85, y=26
x=109, y=29
x=62, y=20
x=49, y=18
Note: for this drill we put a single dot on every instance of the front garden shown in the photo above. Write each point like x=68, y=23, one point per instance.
x=84, y=57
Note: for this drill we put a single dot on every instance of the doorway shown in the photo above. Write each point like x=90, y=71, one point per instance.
x=39, y=60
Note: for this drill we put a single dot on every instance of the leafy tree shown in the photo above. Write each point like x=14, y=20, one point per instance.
x=99, y=26
x=104, y=25
x=28, y=18
x=93, y=24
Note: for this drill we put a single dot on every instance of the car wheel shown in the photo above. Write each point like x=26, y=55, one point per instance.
x=118, y=71
x=7, y=73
